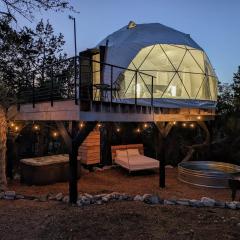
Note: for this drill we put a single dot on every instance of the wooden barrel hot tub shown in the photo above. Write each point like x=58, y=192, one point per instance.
x=207, y=173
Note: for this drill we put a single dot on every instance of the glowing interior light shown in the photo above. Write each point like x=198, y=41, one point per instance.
x=184, y=124
x=81, y=125
x=99, y=125
x=174, y=123
x=192, y=125
x=138, y=89
x=138, y=130
x=199, y=117
x=16, y=128
x=173, y=91
x=145, y=125
x=12, y=124
x=118, y=129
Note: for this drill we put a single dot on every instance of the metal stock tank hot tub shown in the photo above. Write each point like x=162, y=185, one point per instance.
x=207, y=173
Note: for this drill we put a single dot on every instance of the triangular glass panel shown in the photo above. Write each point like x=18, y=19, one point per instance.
x=174, y=54
x=175, y=89
x=204, y=91
x=141, y=56
x=209, y=69
x=156, y=61
x=189, y=64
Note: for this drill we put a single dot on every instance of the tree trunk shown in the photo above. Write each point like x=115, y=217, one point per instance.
x=3, y=142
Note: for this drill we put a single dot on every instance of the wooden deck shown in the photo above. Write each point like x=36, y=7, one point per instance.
x=67, y=110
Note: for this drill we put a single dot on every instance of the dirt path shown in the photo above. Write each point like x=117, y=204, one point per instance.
x=23, y=219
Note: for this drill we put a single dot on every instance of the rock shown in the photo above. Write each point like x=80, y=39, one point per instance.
x=115, y=195
x=85, y=200
x=169, y=202
x=183, y=202
x=195, y=203
x=168, y=166
x=105, y=199
x=79, y=203
x=2, y=194
x=220, y=204
x=208, y=202
x=10, y=195
x=138, y=198
x=151, y=199
x=18, y=196
x=97, y=169
x=16, y=176
x=106, y=167
x=43, y=198
x=88, y=195
x=59, y=197
x=65, y=199
x=51, y=196
x=231, y=205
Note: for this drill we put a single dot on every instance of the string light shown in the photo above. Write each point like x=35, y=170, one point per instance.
x=12, y=124
x=184, y=124
x=145, y=125
x=55, y=134
x=81, y=125
x=16, y=128
x=192, y=125
x=174, y=123
x=138, y=130
x=36, y=127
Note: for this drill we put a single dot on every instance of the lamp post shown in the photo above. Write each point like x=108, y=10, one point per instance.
x=75, y=59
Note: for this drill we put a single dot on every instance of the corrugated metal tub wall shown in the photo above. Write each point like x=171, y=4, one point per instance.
x=207, y=173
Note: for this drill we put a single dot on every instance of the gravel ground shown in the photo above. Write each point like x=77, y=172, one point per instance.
x=23, y=219
x=118, y=180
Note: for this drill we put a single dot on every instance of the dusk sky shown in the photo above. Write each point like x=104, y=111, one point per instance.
x=213, y=24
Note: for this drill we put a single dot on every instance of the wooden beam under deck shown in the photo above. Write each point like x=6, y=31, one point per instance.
x=68, y=111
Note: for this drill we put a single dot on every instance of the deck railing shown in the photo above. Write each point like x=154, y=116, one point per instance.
x=81, y=78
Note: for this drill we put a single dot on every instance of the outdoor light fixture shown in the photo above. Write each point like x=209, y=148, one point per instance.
x=12, y=124
x=192, y=125
x=55, y=134
x=81, y=125
x=99, y=125
x=36, y=127
x=145, y=125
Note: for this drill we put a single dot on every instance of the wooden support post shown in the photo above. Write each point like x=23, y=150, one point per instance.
x=73, y=140
x=163, y=131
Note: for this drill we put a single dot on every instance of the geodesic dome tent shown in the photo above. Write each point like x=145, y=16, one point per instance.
x=170, y=61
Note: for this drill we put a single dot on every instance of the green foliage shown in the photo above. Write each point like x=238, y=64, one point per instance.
x=236, y=90
x=25, y=51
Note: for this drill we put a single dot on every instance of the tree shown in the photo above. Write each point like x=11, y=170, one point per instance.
x=21, y=52
x=26, y=8
x=236, y=90
x=225, y=104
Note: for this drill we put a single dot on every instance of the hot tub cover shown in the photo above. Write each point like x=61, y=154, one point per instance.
x=180, y=68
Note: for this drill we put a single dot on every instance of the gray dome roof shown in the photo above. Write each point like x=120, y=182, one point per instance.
x=124, y=44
